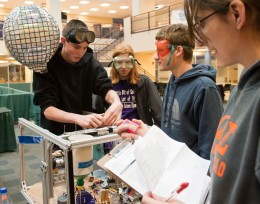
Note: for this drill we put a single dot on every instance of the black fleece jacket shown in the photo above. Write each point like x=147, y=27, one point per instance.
x=69, y=88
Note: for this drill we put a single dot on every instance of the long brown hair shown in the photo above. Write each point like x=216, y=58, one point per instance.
x=134, y=77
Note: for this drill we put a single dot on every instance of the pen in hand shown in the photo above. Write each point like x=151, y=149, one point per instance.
x=177, y=191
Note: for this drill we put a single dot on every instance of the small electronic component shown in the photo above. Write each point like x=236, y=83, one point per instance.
x=91, y=178
x=58, y=168
x=132, y=126
x=104, y=196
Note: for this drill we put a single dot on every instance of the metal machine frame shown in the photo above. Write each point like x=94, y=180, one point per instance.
x=46, y=163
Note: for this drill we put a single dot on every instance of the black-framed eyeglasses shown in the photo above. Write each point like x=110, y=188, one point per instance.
x=81, y=35
x=198, y=25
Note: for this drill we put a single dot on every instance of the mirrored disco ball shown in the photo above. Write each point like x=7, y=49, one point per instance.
x=32, y=36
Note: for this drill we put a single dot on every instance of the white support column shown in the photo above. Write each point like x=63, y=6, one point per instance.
x=54, y=9
x=207, y=58
x=135, y=7
x=142, y=6
x=240, y=69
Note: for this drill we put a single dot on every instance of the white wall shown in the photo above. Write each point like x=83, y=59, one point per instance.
x=143, y=41
x=2, y=47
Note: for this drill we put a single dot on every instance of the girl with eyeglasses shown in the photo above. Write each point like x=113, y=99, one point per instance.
x=231, y=31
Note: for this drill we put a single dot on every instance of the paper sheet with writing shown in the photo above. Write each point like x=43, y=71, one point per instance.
x=161, y=165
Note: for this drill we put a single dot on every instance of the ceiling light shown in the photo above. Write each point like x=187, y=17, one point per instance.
x=74, y=7
x=28, y=2
x=62, y=0
x=10, y=58
x=105, y=4
x=16, y=63
x=106, y=25
x=112, y=11
x=84, y=2
x=84, y=13
x=66, y=11
x=94, y=9
x=124, y=7
x=159, y=6
x=4, y=0
x=1, y=5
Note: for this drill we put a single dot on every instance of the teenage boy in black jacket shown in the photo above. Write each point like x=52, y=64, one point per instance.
x=64, y=93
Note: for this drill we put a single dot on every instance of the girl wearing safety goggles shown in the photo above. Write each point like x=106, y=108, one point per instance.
x=132, y=88
x=138, y=94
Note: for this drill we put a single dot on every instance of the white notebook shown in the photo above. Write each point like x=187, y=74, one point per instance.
x=161, y=165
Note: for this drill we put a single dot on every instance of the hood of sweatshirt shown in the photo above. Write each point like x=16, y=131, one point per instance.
x=197, y=70
x=249, y=77
x=186, y=109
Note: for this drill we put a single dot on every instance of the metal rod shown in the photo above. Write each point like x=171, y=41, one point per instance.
x=21, y=151
x=44, y=170
x=49, y=173
x=63, y=144
x=70, y=176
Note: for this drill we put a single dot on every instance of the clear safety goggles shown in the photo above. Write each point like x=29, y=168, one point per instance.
x=127, y=62
x=81, y=35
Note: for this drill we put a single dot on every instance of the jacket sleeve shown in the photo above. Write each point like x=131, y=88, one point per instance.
x=154, y=102
x=45, y=91
x=99, y=105
x=102, y=82
x=208, y=111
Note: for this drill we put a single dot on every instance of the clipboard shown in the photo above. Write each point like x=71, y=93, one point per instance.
x=151, y=173
x=117, y=150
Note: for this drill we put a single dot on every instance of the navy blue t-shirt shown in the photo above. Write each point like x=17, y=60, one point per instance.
x=126, y=93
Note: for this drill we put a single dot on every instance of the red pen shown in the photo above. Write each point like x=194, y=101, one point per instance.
x=177, y=191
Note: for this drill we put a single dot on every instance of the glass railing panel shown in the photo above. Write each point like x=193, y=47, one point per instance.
x=157, y=18
x=140, y=22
